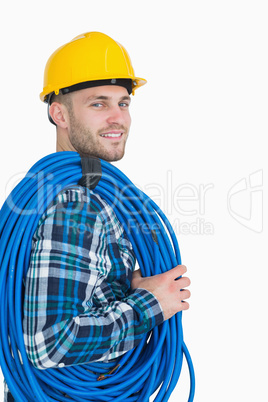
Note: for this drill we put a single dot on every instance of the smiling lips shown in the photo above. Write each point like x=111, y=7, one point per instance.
x=112, y=135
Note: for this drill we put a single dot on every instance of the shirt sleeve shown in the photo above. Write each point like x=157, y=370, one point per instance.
x=78, y=305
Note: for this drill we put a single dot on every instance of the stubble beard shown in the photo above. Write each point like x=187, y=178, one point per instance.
x=85, y=142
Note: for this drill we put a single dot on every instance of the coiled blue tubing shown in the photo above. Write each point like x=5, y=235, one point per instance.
x=155, y=365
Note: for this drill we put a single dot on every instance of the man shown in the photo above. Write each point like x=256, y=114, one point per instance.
x=83, y=298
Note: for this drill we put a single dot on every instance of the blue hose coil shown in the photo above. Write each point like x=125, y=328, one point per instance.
x=155, y=365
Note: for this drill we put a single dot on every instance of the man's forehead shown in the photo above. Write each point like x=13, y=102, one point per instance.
x=102, y=92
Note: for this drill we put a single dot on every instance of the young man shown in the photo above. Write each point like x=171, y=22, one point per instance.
x=83, y=300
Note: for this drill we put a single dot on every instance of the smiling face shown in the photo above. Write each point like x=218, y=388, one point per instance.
x=99, y=121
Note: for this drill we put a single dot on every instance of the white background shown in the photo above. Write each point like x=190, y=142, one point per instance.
x=200, y=123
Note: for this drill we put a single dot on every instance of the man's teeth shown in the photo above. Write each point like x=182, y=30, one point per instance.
x=111, y=135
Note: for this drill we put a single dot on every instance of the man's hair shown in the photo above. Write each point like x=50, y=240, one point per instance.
x=65, y=100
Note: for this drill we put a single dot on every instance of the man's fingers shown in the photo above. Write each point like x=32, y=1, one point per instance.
x=178, y=271
x=184, y=282
x=185, y=305
x=185, y=294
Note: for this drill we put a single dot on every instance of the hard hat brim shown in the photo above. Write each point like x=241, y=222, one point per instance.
x=137, y=82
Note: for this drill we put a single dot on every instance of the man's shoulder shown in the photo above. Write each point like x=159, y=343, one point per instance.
x=80, y=202
x=75, y=205
x=76, y=194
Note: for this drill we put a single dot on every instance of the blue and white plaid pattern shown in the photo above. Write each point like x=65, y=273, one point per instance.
x=79, y=306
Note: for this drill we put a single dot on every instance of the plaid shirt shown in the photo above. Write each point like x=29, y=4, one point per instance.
x=79, y=306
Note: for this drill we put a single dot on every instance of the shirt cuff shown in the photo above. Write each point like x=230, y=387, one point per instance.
x=147, y=308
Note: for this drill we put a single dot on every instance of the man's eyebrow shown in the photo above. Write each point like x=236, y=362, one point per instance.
x=126, y=97
x=103, y=97
x=96, y=97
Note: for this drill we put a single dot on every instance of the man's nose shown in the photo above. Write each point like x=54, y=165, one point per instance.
x=115, y=115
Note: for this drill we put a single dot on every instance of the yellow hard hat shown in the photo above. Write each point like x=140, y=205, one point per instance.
x=89, y=59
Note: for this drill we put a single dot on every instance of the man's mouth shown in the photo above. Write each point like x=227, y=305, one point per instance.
x=112, y=135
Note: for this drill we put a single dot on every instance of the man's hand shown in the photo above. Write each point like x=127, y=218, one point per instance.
x=169, y=292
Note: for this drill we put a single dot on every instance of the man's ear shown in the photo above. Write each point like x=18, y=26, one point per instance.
x=59, y=114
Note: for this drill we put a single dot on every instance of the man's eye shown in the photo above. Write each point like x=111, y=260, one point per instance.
x=97, y=104
x=123, y=104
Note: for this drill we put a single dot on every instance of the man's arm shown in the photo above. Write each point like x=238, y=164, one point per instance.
x=167, y=288
x=79, y=305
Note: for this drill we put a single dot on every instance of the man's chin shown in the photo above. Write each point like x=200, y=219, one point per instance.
x=113, y=156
